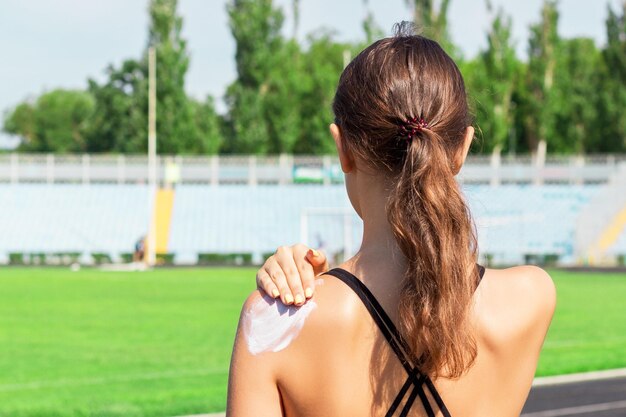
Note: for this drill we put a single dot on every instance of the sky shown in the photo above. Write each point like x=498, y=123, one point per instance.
x=48, y=44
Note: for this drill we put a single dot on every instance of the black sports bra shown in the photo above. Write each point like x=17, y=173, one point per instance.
x=414, y=377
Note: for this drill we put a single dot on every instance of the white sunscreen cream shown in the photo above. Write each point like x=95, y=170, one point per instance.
x=270, y=326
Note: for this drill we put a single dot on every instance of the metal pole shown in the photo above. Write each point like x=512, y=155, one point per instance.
x=347, y=57
x=152, y=168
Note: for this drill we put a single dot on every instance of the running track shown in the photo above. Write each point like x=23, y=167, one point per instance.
x=593, y=394
x=604, y=397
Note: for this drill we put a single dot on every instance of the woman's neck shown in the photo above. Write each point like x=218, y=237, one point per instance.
x=379, y=256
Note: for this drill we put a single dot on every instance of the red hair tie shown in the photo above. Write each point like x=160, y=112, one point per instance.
x=411, y=126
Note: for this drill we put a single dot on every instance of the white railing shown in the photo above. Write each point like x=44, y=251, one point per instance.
x=285, y=169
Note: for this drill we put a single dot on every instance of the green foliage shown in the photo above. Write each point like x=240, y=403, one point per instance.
x=323, y=63
x=56, y=122
x=21, y=121
x=615, y=52
x=281, y=99
x=207, y=122
x=183, y=125
x=569, y=94
x=120, y=120
x=432, y=22
x=177, y=131
x=493, y=77
x=262, y=58
x=575, y=119
x=100, y=258
x=611, y=125
x=542, y=60
x=224, y=259
x=16, y=258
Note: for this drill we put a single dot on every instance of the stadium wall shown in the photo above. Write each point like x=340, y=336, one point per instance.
x=516, y=223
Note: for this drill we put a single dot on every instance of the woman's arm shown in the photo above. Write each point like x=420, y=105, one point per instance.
x=290, y=273
x=252, y=386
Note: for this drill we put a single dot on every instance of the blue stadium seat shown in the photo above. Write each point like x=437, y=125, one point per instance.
x=72, y=218
x=512, y=220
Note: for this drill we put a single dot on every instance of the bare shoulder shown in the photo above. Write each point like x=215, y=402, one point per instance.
x=516, y=303
x=336, y=305
x=252, y=387
x=269, y=326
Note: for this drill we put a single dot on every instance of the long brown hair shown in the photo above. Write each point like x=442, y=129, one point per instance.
x=382, y=94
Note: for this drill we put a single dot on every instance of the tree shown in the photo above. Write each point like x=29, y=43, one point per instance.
x=542, y=60
x=615, y=52
x=119, y=122
x=281, y=102
x=21, y=122
x=495, y=89
x=56, y=122
x=433, y=21
x=207, y=122
x=575, y=124
x=176, y=130
x=264, y=110
x=611, y=123
x=323, y=63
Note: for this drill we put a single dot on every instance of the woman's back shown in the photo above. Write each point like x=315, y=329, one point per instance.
x=402, y=131
x=340, y=363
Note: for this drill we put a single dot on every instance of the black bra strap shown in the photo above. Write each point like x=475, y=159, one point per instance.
x=379, y=315
x=396, y=402
x=423, y=398
x=398, y=345
x=437, y=397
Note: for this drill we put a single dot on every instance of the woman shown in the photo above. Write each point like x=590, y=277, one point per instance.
x=423, y=330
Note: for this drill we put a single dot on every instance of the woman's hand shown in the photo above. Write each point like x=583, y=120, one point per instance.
x=290, y=273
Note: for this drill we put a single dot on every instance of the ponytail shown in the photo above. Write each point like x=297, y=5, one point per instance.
x=432, y=226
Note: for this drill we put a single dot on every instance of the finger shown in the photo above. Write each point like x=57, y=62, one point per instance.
x=278, y=277
x=318, y=261
x=264, y=282
x=262, y=277
x=305, y=269
x=284, y=257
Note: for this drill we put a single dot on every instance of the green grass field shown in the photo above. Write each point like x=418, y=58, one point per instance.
x=93, y=343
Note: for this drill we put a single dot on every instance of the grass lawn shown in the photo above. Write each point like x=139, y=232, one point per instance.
x=588, y=331
x=93, y=343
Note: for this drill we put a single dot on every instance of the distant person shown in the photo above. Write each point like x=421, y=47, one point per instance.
x=140, y=249
x=410, y=325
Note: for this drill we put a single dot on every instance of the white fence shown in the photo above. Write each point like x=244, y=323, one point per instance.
x=286, y=169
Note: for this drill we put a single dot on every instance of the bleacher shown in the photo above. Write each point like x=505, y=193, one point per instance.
x=234, y=219
x=39, y=218
x=515, y=222
x=520, y=223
